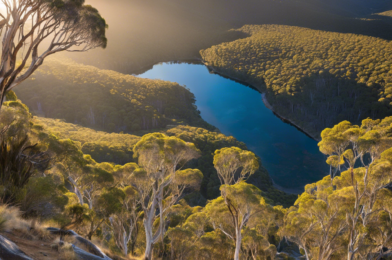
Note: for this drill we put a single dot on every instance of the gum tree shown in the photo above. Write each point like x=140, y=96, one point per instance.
x=32, y=30
x=239, y=201
x=160, y=182
x=347, y=215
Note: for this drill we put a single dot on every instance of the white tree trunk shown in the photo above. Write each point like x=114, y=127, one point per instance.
x=125, y=244
x=238, y=241
x=149, y=242
x=76, y=190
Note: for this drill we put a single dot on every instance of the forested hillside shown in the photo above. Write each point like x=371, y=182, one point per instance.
x=96, y=163
x=68, y=188
x=118, y=149
x=314, y=78
x=143, y=33
x=104, y=201
x=107, y=100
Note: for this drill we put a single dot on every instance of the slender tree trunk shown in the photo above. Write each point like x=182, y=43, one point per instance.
x=350, y=255
x=2, y=99
x=76, y=190
x=125, y=244
x=238, y=239
x=171, y=252
x=353, y=235
x=149, y=245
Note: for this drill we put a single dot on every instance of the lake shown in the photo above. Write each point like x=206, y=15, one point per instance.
x=291, y=157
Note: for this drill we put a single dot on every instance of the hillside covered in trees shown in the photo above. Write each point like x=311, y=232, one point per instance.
x=107, y=100
x=314, y=78
x=118, y=149
x=346, y=213
x=90, y=196
x=98, y=164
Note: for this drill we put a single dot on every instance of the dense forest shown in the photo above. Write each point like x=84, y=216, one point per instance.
x=346, y=213
x=118, y=149
x=86, y=194
x=314, y=78
x=107, y=100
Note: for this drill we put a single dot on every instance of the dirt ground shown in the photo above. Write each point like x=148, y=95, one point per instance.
x=36, y=249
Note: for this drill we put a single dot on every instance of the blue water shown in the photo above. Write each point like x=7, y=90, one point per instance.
x=291, y=157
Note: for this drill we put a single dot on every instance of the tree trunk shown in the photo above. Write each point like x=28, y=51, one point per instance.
x=76, y=190
x=238, y=239
x=125, y=243
x=350, y=255
x=2, y=99
x=149, y=242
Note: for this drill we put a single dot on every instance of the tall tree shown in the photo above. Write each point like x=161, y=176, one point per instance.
x=232, y=212
x=32, y=30
x=161, y=182
x=233, y=165
x=347, y=215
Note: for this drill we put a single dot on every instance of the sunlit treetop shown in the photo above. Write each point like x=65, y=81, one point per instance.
x=34, y=30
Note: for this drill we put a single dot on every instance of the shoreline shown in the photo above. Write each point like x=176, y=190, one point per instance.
x=199, y=61
x=264, y=98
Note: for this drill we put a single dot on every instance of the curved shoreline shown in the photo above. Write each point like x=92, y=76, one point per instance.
x=198, y=61
x=258, y=89
x=264, y=98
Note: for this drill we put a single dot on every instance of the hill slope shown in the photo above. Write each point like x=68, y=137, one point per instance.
x=314, y=78
x=107, y=100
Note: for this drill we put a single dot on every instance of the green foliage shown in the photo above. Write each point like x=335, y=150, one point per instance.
x=11, y=96
x=208, y=142
x=111, y=200
x=118, y=148
x=234, y=164
x=338, y=215
x=315, y=78
x=107, y=100
x=102, y=146
x=18, y=163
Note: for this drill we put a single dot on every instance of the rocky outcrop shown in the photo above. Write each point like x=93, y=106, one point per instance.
x=9, y=250
x=90, y=251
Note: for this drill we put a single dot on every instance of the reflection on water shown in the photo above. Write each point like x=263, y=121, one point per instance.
x=291, y=157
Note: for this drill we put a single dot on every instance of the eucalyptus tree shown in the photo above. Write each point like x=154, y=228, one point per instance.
x=239, y=200
x=256, y=245
x=232, y=212
x=124, y=223
x=160, y=182
x=342, y=215
x=32, y=30
x=317, y=221
x=234, y=164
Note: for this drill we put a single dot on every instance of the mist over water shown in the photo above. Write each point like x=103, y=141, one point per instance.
x=290, y=156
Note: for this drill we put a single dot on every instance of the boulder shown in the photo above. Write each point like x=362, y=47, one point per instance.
x=9, y=250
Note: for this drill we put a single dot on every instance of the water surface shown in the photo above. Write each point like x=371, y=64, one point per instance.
x=290, y=156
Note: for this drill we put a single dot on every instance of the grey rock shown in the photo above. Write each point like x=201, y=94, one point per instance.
x=9, y=250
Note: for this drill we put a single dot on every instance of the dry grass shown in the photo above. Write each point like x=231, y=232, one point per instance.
x=11, y=219
x=66, y=252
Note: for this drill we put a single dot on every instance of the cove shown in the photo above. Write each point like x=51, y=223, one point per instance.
x=290, y=156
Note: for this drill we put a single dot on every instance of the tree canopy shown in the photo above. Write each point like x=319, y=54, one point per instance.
x=33, y=30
